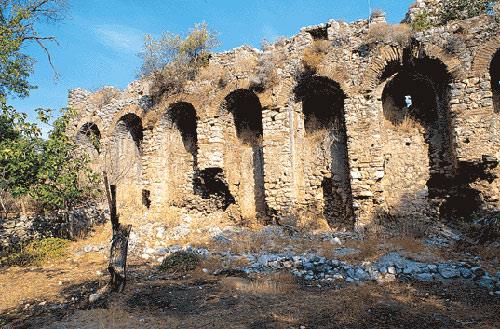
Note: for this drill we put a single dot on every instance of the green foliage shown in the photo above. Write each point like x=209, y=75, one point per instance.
x=36, y=252
x=19, y=152
x=17, y=26
x=173, y=60
x=64, y=177
x=463, y=9
x=421, y=21
x=15, y=67
x=180, y=261
x=50, y=171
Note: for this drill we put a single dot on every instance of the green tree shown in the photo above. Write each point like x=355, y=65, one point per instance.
x=19, y=153
x=50, y=171
x=18, y=20
x=64, y=178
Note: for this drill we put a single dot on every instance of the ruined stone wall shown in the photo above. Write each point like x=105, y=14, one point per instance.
x=266, y=161
x=23, y=228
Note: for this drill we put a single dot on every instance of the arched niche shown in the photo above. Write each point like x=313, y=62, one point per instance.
x=418, y=153
x=246, y=109
x=177, y=150
x=125, y=157
x=325, y=181
x=243, y=151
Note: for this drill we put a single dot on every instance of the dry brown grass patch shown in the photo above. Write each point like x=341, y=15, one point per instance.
x=215, y=73
x=409, y=244
x=396, y=35
x=369, y=250
x=314, y=55
x=273, y=284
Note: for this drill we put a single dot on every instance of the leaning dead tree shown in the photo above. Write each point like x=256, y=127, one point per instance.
x=117, y=266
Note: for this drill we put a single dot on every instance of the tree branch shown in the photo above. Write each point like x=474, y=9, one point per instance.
x=49, y=58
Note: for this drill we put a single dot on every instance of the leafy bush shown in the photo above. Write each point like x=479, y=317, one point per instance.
x=172, y=60
x=463, y=9
x=181, y=261
x=35, y=252
x=421, y=21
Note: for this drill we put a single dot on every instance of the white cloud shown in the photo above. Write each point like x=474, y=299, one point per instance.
x=119, y=37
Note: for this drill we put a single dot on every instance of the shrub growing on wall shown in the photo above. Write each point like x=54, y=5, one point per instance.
x=382, y=33
x=171, y=60
x=421, y=21
x=463, y=9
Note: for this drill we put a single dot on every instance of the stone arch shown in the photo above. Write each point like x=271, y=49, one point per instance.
x=322, y=150
x=88, y=138
x=176, y=154
x=241, y=113
x=390, y=58
x=125, y=160
x=91, y=119
x=133, y=109
x=387, y=57
x=420, y=162
x=484, y=56
x=453, y=64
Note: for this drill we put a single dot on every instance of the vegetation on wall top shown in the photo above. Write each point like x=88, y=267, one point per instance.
x=172, y=60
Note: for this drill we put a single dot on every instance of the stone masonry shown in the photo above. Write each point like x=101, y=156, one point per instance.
x=373, y=129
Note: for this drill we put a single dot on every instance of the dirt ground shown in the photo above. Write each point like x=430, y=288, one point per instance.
x=156, y=300
x=56, y=296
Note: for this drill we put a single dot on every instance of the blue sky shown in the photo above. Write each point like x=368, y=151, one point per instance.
x=99, y=39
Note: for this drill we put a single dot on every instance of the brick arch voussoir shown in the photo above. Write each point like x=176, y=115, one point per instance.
x=483, y=57
x=385, y=55
x=129, y=109
x=90, y=119
x=453, y=64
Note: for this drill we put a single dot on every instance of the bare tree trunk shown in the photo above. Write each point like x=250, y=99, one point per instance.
x=118, y=258
x=119, y=245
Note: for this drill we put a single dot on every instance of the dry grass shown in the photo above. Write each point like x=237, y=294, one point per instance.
x=314, y=55
x=199, y=299
x=116, y=317
x=215, y=73
x=272, y=284
x=104, y=96
x=236, y=303
x=406, y=125
x=266, y=75
x=409, y=244
x=312, y=222
x=396, y=35
x=47, y=282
